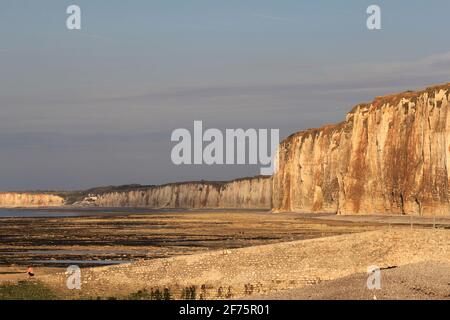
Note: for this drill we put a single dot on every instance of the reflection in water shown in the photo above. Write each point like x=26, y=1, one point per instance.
x=90, y=262
x=35, y=213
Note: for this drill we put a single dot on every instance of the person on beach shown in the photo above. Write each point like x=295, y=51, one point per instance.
x=30, y=271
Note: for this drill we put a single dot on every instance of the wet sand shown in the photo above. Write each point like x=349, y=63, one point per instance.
x=19, y=273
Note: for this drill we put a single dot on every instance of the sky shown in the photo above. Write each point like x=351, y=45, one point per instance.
x=96, y=106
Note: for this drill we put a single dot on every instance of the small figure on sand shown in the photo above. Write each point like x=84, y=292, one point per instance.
x=30, y=271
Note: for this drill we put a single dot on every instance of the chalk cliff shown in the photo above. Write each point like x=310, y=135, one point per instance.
x=389, y=156
x=242, y=193
x=16, y=199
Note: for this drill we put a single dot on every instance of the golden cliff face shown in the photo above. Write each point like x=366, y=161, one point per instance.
x=389, y=156
x=16, y=200
x=243, y=193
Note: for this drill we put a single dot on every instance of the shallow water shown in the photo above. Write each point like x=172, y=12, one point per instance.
x=67, y=212
x=80, y=212
x=37, y=213
x=75, y=262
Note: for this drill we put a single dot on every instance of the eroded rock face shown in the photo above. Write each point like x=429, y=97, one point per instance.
x=15, y=200
x=242, y=193
x=389, y=156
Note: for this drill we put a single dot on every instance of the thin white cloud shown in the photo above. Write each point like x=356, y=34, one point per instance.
x=438, y=60
x=433, y=66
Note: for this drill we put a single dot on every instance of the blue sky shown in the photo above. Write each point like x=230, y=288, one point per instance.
x=97, y=106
